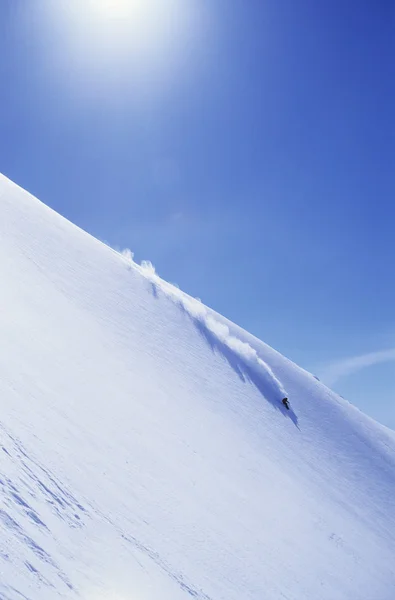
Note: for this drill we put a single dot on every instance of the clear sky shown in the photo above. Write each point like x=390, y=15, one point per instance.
x=246, y=148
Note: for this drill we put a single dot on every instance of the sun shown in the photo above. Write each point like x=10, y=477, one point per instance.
x=129, y=14
x=121, y=9
x=143, y=29
x=141, y=46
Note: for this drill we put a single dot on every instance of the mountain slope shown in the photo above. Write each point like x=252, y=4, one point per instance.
x=145, y=450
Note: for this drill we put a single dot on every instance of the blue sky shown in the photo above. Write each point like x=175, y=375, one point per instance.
x=246, y=148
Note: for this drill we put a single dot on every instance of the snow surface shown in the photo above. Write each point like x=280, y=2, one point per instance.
x=145, y=452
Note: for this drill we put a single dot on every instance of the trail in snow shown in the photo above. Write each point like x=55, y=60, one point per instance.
x=240, y=355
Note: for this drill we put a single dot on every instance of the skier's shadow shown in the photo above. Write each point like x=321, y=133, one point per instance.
x=154, y=289
x=245, y=371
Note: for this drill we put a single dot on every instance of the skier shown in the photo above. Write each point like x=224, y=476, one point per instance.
x=285, y=401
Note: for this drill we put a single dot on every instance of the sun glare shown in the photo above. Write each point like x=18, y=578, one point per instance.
x=119, y=8
x=131, y=29
x=97, y=45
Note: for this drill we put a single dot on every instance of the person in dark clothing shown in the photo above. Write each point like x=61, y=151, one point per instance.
x=285, y=401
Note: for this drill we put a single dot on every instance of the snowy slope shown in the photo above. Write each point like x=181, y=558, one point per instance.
x=145, y=454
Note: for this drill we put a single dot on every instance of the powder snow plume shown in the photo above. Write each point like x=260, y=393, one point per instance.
x=197, y=311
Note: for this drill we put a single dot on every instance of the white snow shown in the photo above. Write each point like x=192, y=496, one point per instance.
x=144, y=450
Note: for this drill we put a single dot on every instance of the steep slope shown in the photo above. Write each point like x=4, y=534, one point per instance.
x=145, y=451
